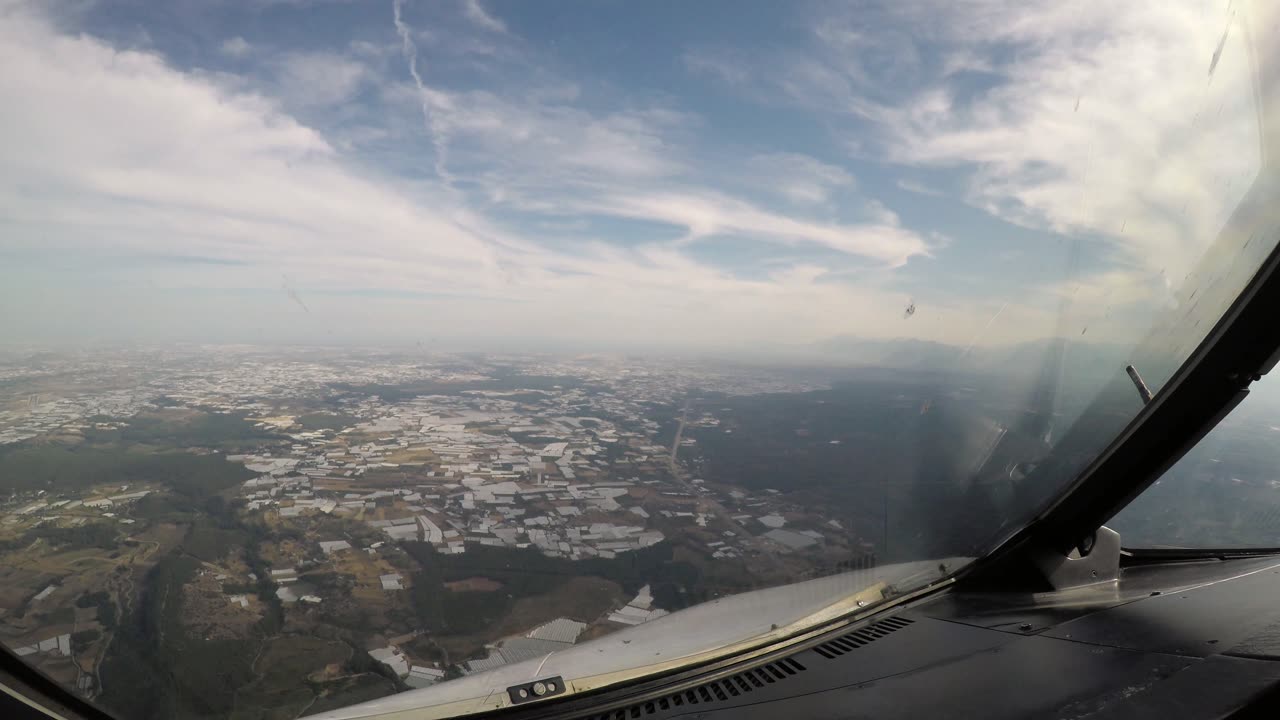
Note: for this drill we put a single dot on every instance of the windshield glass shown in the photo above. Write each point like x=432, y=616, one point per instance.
x=403, y=352
x=1224, y=493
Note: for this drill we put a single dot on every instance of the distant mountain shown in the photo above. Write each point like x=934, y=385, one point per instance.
x=1087, y=362
x=908, y=353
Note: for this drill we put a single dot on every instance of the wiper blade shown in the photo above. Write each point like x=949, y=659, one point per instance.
x=1151, y=556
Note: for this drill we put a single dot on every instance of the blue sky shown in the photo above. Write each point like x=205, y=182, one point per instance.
x=710, y=176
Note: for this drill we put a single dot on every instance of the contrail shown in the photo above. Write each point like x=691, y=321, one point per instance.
x=410, y=51
x=983, y=330
x=436, y=130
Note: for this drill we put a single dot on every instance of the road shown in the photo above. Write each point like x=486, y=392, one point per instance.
x=678, y=475
x=675, y=444
x=124, y=590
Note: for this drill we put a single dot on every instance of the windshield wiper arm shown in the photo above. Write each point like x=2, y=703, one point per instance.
x=1151, y=556
x=1143, y=391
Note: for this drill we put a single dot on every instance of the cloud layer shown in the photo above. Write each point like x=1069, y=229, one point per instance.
x=453, y=176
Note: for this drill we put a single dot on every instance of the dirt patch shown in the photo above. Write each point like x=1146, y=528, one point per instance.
x=365, y=568
x=289, y=660
x=284, y=554
x=18, y=584
x=210, y=614
x=412, y=454
x=398, y=511
x=586, y=599
x=352, y=690
x=60, y=669
x=166, y=535
x=581, y=598
x=473, y=584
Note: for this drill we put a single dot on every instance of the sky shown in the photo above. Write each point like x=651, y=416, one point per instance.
x=717, y=176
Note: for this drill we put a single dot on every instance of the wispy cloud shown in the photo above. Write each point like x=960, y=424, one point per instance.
x=718, y=65
x=236, y=47
x=132, y=156
x=1087, y=119
x=477, y=14
x=484, y=189
x=318, y=78
x=801, y=179
x=538, y=149
x=1152, y=157
x=224, y=173
x=548, y=157
x=705, y=215
x=919, y=188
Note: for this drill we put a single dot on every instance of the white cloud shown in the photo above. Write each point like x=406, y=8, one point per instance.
x=115, y=160
x=799, y=178
x=236, y=47
x=966, y=60
x=719, y=66
x=534, y=148
x=114, y=150
x=1094, y=119
x=873, y=54
x=919, y=188
x=522, y=134
x=318, y=78
x=548, y=157
x=481, y=17
x=117, y=156
x=705, y=214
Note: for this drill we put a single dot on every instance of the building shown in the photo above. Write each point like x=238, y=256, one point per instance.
x=421, y=676
x=392, y=658
x=332, y=546
x=559, y=630
x=284, y=575
x=772, y=521
x=430, y=531
x=790, y=539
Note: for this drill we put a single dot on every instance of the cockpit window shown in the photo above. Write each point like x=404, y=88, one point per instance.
x=403, y=351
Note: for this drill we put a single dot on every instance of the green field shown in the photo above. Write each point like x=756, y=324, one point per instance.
x=284, y=687
x=211, y=543
x=326, y=421
x=56, y=468
x=356, y=689
x=154, y=670
x=185, y=429
x=526, y=573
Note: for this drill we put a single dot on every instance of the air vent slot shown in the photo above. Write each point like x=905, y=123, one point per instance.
x=847, y=643
x=716, y=691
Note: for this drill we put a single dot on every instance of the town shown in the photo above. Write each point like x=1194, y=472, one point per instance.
x=382, y=497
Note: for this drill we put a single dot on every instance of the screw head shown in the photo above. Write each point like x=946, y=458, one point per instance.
x=539, y=689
